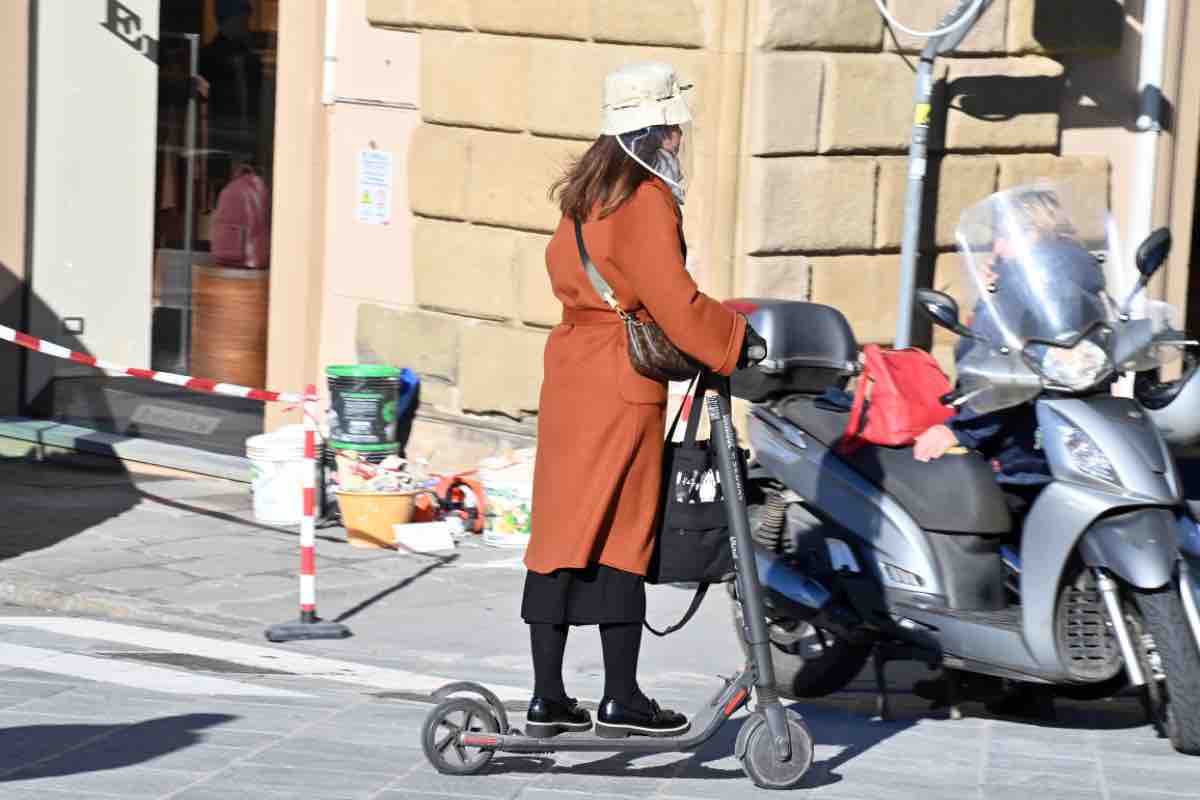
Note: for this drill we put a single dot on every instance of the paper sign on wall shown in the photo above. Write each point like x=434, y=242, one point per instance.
x=375, y=187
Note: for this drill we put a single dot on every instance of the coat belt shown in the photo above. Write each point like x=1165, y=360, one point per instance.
x=598, y=316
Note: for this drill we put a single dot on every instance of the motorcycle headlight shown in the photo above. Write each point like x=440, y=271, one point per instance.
x=1087, y=457
x=1075, y=368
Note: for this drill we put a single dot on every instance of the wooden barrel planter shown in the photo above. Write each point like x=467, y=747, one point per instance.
x=229, y=324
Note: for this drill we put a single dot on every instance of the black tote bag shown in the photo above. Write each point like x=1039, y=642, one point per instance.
x=692, y=545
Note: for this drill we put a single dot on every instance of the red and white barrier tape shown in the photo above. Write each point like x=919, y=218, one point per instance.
x=308, y=552
x=186, y=381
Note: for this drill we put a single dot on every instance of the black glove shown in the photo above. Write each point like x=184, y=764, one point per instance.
x=754, y=348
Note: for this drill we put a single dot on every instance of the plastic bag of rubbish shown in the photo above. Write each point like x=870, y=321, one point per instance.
x=508, y=481
x=355, y=474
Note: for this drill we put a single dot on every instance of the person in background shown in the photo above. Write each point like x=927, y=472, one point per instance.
x=1038, y=229
x=1009, y=438
x=234, y=73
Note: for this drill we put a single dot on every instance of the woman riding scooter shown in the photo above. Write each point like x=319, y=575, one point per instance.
x=600, y=424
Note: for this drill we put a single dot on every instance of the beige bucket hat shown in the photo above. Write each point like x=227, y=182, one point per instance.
x=639, y=95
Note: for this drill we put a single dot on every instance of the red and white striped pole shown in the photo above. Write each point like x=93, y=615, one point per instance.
x=308, y=530
x=310, y=625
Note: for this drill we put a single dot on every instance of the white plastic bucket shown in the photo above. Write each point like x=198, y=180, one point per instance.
x=277, y=475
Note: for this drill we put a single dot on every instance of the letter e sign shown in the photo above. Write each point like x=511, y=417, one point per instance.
x=126, y=24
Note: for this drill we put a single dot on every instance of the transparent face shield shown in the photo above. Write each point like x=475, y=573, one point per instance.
x=665, y=150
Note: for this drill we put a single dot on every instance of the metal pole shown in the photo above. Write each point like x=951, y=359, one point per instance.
x=1149, y=124
x=724, y=444
x=189, y=199
x=914, y=197
x=918, y=159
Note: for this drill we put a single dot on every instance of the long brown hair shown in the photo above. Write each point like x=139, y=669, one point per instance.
x=605, y=176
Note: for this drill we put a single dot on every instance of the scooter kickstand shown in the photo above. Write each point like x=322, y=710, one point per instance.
x=883, y=708
x=953, y=693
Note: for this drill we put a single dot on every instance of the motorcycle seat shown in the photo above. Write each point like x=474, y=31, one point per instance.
x=952, y=494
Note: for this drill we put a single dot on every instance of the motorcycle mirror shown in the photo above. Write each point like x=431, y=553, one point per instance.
x=1153, y=252
x=943, y=310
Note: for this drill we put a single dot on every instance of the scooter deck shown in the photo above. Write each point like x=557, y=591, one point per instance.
x=514, y=742
x=724, y=705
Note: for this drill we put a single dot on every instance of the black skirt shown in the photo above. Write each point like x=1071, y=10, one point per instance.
x=593, y=595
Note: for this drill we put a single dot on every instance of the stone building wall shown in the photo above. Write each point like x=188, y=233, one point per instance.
x=803, y=110
x=829, y=122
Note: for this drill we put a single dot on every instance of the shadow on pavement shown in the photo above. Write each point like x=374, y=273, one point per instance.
x=857, y=703
x=50, y=500
x=830, y=726
x=833, y=727
x=693, y=765
x=439, y=561
x=239, y=519
x=84, y=491
x=30, y=752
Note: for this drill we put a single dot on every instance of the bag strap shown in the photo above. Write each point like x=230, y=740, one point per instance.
x=693, y=424
x=697, y=599
x=696, y=390
x=858, y=409
x=679, y=411
x=597, y=280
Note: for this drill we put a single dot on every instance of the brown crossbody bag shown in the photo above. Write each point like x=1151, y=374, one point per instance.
x=651, y=352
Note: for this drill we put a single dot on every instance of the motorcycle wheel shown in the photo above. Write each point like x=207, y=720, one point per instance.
x=1178, y=708
x=808, y=662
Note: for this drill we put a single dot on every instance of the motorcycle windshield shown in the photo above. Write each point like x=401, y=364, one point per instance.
x=1043, y=281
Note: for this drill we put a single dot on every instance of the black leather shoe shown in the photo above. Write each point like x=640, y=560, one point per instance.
x=547, y=718
x=614, y=721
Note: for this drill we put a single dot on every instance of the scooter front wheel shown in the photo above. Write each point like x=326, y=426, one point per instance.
x=756, y=752
x=1178, y=713
x=445, y=724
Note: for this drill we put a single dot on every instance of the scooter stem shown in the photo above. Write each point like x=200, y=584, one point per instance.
x=724, y=446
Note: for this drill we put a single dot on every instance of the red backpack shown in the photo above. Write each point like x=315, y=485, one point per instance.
x=241, y=233
x=898, y=398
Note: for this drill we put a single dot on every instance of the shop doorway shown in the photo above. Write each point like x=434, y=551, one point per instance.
x=153, y=144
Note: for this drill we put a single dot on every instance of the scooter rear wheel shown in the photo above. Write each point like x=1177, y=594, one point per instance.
x=756, y=752
x=444, y=724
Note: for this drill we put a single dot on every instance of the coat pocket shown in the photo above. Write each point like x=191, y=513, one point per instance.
x=635, y=387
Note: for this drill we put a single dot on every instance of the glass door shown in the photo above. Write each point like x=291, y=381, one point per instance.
x=154, y=137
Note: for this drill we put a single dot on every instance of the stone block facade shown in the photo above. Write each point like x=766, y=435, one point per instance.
x=826, y=223
x=803, y=119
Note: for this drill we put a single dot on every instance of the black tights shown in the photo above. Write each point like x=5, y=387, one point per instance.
x=621, y=642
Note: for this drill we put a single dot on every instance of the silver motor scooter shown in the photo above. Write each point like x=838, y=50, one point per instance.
x=876, y=553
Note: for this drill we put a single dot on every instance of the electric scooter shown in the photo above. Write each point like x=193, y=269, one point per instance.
x=462, y=733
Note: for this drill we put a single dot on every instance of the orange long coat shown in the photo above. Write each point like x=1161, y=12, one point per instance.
x=600, y=426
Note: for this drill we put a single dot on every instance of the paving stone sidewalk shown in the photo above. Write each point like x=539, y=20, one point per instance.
x=78, y=536
x=149, y=547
